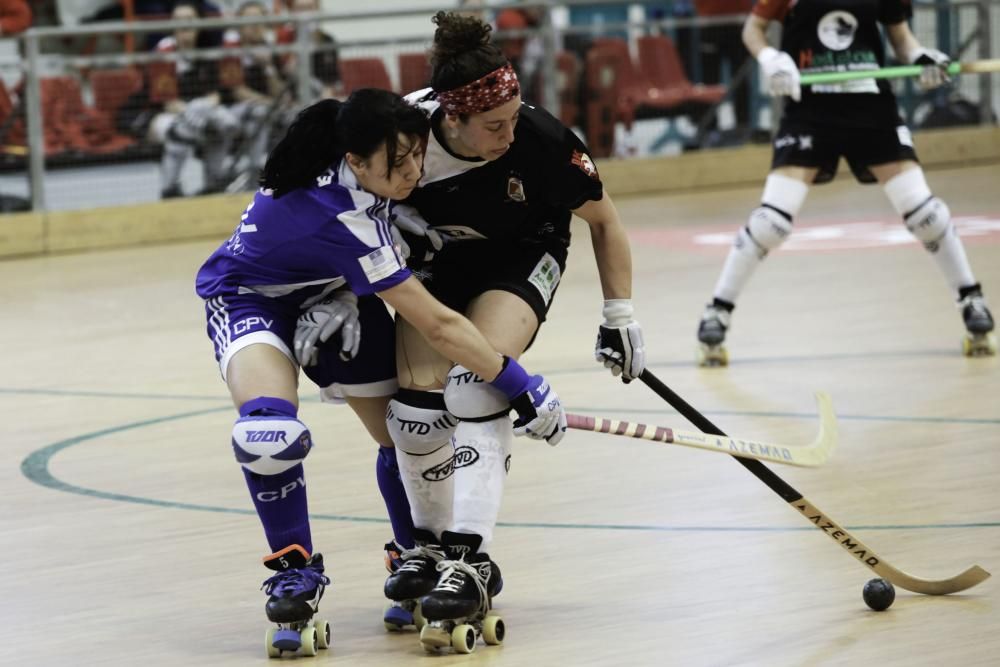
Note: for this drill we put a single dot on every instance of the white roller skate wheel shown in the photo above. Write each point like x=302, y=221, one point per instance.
x=494, y=630
x=322, y=634
x=434, y=637
x=308, y=636
x=272, y=652
x=463, y=639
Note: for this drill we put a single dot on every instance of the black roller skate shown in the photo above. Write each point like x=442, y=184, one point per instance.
x=712, y=333
x=979, y=339
x=294, y=595
x=413, y=574
x=459, y=608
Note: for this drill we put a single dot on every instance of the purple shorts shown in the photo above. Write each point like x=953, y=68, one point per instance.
x=235, y=322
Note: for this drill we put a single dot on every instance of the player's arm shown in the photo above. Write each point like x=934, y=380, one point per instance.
x=755, y=34
x=611, y=247
x=909, y=50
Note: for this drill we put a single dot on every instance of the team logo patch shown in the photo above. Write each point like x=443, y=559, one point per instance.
x=836, y=30
x=545, y=277
x=515, y=189
x=586, y=165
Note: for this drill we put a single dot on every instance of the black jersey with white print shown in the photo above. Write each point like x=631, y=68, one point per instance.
x=838, y=36
x=525, y=196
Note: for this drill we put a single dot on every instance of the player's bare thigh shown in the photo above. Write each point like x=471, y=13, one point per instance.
x=505, y=320
x=262, y=370
x=371, y=412
x=804, y=174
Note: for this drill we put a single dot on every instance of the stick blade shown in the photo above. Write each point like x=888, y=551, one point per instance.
x=973, y=576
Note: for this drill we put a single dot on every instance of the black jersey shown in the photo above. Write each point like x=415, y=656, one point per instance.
x=525, y=196
x=838, y=36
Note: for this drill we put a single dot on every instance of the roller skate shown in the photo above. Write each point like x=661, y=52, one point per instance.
x=294, y=595
x=712, y=333
x=459, y=608
x=413, y=574
x=979, y=339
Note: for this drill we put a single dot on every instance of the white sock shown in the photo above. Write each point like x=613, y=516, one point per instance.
x=430, y=486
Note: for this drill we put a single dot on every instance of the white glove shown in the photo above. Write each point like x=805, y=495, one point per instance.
x=781, y=76
x=319, y=323
x=619, y=341
x=540, y=413
x=407, y=219
x=935, y=72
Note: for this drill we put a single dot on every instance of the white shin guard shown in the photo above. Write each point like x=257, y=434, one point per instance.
x=482, y=460
x=421, y=429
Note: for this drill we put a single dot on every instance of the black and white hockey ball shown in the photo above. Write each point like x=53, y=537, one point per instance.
x=879, y=594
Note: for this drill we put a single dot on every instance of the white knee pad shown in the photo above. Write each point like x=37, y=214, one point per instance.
x=270, y=445
x=470, y=398
x=418, y=421
x=930, y=223
x=766, y=229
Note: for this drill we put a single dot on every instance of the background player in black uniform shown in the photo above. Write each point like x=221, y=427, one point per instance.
x=501, y=182
x=858, y=120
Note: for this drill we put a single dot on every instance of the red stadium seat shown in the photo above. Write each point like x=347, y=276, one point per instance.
x=364, y=73
x=414, y=72
x=661, y=65
x=112, y=87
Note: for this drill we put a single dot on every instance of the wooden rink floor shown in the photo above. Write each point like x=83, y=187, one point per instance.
x=129, y=539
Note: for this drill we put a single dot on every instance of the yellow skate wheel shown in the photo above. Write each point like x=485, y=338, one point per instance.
x=269, y=644
x=463, y=639
x=710, y=356
x=322, y=634
x=494, y=630
x=984, y=345
x=308, y=636
x=434, y=637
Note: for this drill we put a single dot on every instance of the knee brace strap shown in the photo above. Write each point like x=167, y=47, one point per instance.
x=471, y=398
x=418, y=421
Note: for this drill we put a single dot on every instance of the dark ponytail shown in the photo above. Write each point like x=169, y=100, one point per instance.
x=462, y=51
x=326, y=131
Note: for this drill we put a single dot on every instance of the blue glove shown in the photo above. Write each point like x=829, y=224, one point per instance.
x=540, y=412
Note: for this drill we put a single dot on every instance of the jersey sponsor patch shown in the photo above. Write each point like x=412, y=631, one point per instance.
x=586, y=165
x=515, y=189
x=545, y=277
x=380, y=263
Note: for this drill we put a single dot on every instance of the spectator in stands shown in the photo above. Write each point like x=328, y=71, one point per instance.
x=260, y=96
x=325, y=59
x=15, y=17
x=525, y=52
x=199, y=119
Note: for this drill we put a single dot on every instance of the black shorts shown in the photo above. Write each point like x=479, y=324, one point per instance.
x=465, y=269
x=805, y=144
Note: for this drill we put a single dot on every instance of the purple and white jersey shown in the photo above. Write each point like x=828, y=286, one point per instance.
x=310, y=241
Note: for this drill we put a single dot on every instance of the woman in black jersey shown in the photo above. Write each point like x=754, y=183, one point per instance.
x=491, y=217
x=858, y=120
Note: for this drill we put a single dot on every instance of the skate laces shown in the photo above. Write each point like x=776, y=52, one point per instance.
x=294, y=582
x=715, y=316
x=414, y=559
x=977, y=302
x=453, y=574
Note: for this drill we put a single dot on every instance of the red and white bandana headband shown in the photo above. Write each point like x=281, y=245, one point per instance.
x=483, y=94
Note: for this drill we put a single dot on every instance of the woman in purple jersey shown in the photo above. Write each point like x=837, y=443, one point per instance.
x=316, y=235
x=858, y=120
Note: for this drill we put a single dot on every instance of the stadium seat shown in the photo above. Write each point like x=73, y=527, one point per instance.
x=112, y=87
x=364, y=73
x=414, y=72
x=661, y=65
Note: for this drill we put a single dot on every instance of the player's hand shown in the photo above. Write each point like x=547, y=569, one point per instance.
x=319, y=323
x=935, y=72
x=619, y=341
x=540, y=413
x=780, y=75
x=407, y=219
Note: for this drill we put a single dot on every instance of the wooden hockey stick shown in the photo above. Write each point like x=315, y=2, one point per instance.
x=974, y=67
x=814, y=454
x=960, y=582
